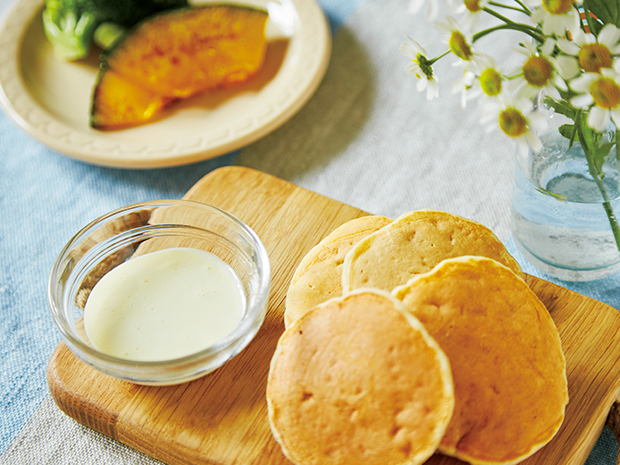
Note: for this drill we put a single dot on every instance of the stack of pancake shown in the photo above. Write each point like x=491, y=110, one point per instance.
x=413, y=336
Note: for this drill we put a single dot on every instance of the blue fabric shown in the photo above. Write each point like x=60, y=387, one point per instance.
x=45, y=198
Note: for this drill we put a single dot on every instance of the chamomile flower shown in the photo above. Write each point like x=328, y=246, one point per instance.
x=556, y=16
x=473, y=12
x=599, y=92
x=538, y=71
x=487, y=82
x=490, y=80
x=460, y=43
x=420, y=67
x=592, y=53
x=518, y=120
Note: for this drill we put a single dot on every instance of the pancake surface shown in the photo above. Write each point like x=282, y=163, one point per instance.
x=413, y=244
x=505, y=352
x=319, y=275
x=357, y=380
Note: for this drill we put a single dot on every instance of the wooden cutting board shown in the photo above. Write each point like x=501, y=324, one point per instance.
x=222, y=417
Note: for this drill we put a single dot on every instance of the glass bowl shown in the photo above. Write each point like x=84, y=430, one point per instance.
x=145, y=228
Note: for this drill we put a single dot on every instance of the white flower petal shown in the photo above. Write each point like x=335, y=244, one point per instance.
x=413, y=68
x=421, y=84
x=432, y=10
x=538, y=121
x=408, y=50
x=572, y=23
x=568, y=47
x=559, y=83
x=533, y=141
x=523, y=147
x=525, y=91
x=615, y=116
x=567, y=67
x=454, y=24
x=583, y=82
x=442, y=27
x=524, y=105
x=609, y=35
x=553, y=92
x=553, y=25
x=582, y=101
x=548, y=46
x=609, y=73
x=598, y=119
x=433, y=89
x=538, y=15
x=581, y=38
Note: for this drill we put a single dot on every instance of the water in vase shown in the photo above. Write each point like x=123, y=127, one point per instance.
x=569, y=239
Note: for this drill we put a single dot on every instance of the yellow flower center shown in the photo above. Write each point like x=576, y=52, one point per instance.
x=491, y=82
x=606, y=93
x=459, y=46
x=537, y=71
x=557, y=7
x=593, y=57
x=472, y=6
x=512, y=122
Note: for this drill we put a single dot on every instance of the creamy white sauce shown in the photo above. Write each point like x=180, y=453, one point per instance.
x=164, y=305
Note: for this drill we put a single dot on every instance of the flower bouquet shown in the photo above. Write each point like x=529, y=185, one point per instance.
x=570, y=66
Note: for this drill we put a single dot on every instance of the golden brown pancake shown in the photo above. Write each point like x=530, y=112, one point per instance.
x=506, y=357
x=319, y=275
x=358, y=381
x=413, y=244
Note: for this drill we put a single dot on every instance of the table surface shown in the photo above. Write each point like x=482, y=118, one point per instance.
x=366, y=138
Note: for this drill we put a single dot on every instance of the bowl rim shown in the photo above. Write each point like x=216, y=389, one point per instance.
x=132, y=369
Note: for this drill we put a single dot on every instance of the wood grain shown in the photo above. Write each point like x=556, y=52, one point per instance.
x=222, y=417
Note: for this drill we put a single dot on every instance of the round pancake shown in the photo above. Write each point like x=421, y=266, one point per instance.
x=359, y=381
x=319, y=275
x=413, y=244
x=504, y=349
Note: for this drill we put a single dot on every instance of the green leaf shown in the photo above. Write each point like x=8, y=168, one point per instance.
x=607, y=11
x=560, y=197
x=564, y=108
x=567, y=131
x=602, y=154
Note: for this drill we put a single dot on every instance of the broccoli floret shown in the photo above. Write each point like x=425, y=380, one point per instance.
x=70, y=24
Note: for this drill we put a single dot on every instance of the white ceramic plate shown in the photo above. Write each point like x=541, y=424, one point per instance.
x=50, y=98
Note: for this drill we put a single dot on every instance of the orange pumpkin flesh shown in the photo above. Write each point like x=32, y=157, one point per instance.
x=120, y=103
x=174, y=55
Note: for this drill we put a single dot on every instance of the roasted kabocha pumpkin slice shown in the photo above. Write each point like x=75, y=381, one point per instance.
x=175, y=55
x=119, y=103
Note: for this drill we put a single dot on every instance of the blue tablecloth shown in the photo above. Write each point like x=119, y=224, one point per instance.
x=367, y=138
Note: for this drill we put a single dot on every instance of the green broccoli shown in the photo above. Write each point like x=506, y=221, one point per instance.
x=70, y=24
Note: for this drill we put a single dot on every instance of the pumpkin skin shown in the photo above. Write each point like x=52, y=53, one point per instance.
x=174, y=55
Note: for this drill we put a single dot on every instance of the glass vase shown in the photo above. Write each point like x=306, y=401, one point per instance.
x=563, y=218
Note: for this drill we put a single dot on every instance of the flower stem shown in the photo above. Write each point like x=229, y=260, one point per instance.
x=512, y=26
x=588, y=150
x=438, y=57
x=525, y=8
x=532, y=31
x=508, y=7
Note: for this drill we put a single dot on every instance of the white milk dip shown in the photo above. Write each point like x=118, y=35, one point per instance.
x=164, y=305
